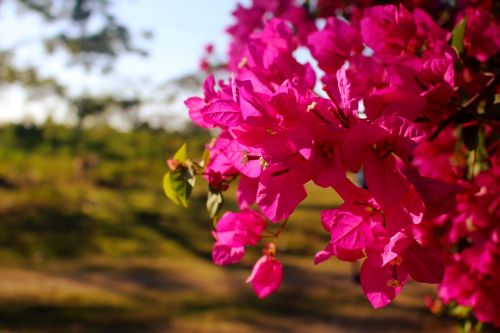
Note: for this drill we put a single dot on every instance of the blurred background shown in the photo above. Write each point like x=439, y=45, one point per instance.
x=91, y=107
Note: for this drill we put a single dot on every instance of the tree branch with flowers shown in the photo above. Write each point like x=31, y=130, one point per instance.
x=409, y=98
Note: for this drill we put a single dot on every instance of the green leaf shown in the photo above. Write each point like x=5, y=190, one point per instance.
x=179, y=184
x=457, y=35
x=467, y=327
x=214, y=203
x=169, y=191
x=181, y=154
x=461, y=311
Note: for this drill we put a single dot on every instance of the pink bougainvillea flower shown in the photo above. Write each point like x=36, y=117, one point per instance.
x=280, y=190
x=381, y=284
x=350, y=231
x=247, y=191
x=482, y=34
x=227, y=255
x=219, y=167
x=233, y=232
x=373, y=147
x=391, y=79
x=439, y=197
x=269, y=55
x=349, y=85
x=333, y=45
x=241, y=228
x=423, y=264
x=197, y=104
x=319, y=142
x=427, y=29
x=389, y=31
x=222, y=112
x=350, y=225
x=391, y=261
x=245, y=159
x=266, y=276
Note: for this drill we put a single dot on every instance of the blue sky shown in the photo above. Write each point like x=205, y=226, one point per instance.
x=181, y=28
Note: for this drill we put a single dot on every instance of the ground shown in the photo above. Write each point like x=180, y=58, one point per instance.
x=102, y=250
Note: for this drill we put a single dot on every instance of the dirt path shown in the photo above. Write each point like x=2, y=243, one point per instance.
x=192, y=295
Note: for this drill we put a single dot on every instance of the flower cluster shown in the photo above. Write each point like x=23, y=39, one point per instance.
x=392, y=82
x=470, y=232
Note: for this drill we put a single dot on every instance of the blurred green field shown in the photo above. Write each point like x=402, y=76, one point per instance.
x=89, y=243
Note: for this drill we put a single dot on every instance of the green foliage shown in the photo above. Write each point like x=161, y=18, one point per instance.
x=179, y=182
x=64, y=198
x=87, y=44
x=181, y=154
x=458, y=33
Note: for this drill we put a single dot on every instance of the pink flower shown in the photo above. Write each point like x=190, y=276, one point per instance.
x=391, y=78
x=373, y=147
x=219, y=168
x=391, y=261
x=482, y=34
x=280, y=190
x=266, y=276
x=381, y=284
x=350, y=225
x=233, y=232
x=390, y=32
x=247, y=191
x=333, y=45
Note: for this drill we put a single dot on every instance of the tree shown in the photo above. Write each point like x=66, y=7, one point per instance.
x=87, y=43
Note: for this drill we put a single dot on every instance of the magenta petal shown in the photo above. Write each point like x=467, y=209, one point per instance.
x=322, y=256
x=348, y=227
x=195, y=106
x=423, y=264
x=405, y=134
x=240, y=229
x=395, y=247
x=209, y=88
x=439, y=197
x=245, y=159
x=266, y=276
x=348, y=254
x=376, y=283
x=357, y=143
x=395, y=194
x=333, y=45
x=247, y=191
x=223, y=113
x=226, y=255
x=280, y=191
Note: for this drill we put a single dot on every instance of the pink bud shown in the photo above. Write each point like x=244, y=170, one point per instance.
x=266, y=276
x=172, y=164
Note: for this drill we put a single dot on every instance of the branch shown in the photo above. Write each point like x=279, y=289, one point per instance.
x=464, y=109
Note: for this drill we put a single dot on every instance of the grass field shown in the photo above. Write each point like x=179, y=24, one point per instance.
x=102, y=250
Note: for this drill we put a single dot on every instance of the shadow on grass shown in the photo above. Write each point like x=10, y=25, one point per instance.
x=48, y=231
x=188, y=228
x=47, y=318
x=144, y=277
x=307, y=300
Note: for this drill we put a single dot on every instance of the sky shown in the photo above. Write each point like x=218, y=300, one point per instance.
x=180, y=29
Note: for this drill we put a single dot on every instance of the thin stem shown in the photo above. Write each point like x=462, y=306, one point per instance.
x=464, y=109
x=277, y=233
